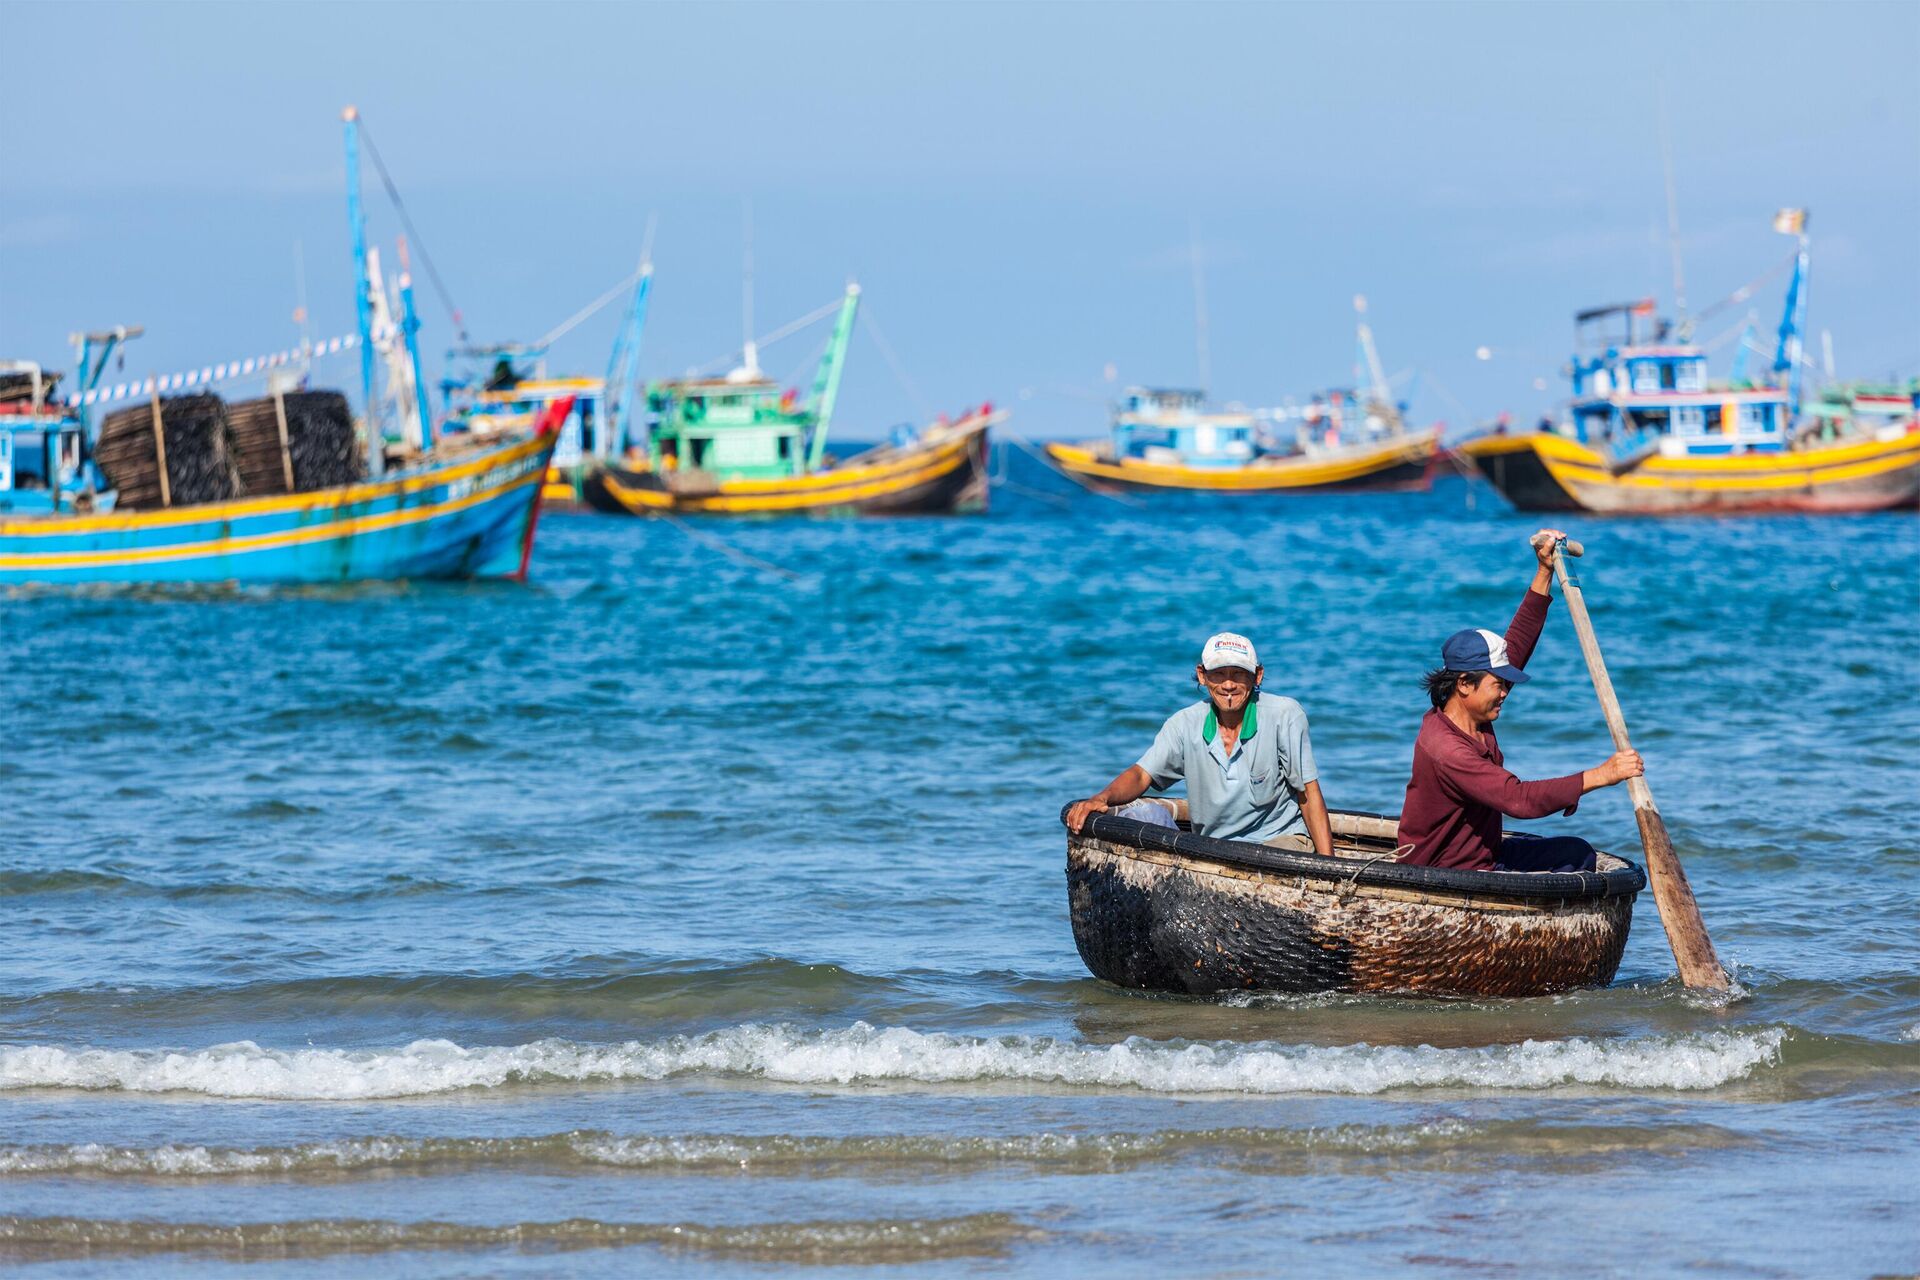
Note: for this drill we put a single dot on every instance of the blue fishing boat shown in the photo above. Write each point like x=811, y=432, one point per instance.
x=505, y=387
x=1647, y=432
x=1167, y=439
x=468, y=513
x=415, y=507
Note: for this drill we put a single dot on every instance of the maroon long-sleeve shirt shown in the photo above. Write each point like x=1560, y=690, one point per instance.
x=1460, y=784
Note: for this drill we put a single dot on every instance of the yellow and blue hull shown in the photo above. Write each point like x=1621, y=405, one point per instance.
x=942, y=475
x=1402, y=462
x=461, y=513
x=1541, y=471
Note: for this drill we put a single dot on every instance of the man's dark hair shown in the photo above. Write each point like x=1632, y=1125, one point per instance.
x=1442, y=683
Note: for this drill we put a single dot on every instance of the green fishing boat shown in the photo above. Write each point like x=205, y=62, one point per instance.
x=740, y=445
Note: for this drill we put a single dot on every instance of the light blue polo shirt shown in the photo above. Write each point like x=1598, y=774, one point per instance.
x=1246, y=795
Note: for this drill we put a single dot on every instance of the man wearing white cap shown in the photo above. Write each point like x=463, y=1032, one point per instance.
x=1244, y=755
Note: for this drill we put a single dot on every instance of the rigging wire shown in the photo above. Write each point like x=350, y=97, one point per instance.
x=785, y=330
x=1745, y=291
x=1047, y=462
x=413, y=233
x=714, y=543
x=580, y=317
x=893, y=362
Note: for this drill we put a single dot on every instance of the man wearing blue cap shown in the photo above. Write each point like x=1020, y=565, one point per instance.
x=1244, y=754
x=1460, y=786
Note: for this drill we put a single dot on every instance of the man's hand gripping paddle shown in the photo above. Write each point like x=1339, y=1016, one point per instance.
x=1686, y=932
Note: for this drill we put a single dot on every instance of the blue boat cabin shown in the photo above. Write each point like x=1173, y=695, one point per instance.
x=1172, y=426
x=1637, y=391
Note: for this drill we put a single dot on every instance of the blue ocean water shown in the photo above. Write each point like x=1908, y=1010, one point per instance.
x=678, y=912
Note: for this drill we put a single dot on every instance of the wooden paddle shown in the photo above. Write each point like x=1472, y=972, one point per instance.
x=1686, y=932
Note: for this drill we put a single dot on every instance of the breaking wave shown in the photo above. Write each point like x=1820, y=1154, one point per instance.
x=863, y=1054
x=1246, y=1149
x=883, y=1240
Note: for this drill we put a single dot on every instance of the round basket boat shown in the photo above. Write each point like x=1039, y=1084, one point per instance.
x=1160, y=908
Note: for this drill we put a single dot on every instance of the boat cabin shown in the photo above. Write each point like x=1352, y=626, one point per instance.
x=739, y=427
x=1867, y=409
x=43, y=457
x=743, y=426
x=1172, y=426
x=1640, y=388
x=508, y=389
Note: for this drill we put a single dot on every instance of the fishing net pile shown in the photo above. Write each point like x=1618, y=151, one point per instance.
x=322, y=451
x=17, y=388
x=216, y=451
x=199, y=462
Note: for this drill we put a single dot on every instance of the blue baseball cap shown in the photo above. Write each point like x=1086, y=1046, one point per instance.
x=1477, y=649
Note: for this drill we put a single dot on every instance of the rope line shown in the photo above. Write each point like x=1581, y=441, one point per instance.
x=713, y=543
x=893, y=363
x=400, y=207
x=783, y=331
x=1047, y=462
x=581, y=316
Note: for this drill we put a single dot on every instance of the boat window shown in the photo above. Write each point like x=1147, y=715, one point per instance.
x=699, y=451
x=1667, y=373
x=1689, y=420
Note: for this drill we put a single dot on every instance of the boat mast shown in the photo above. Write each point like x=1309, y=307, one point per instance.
x=1683, y=327
x=410, y=329
x=87, y=376
x=749, y=350
x=1787, y=356
x=622, y=371
x=1376, y=373
x=300, y=311
x=1743, y=351
x=363, y=301
x=1200, y=311
x=826, y=380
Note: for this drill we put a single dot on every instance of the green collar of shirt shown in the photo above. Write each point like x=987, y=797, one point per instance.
x=1249, y=724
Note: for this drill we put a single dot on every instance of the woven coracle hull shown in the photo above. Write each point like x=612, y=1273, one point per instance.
x=1220, y=916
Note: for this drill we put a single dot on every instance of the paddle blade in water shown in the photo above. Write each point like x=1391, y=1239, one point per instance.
x=1686, y=931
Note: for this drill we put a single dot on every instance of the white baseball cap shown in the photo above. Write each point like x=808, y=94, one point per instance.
x=1229, y=650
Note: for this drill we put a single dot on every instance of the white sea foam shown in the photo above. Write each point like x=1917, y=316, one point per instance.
x=865, y=1054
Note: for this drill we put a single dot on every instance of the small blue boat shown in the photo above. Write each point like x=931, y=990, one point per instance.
x=460, y=507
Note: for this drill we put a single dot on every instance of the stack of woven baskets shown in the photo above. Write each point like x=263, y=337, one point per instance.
x=215, y=451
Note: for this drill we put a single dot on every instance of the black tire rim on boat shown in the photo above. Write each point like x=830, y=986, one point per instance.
x=1620, y=882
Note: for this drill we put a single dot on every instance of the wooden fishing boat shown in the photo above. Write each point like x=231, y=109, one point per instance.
x=1166, y=439
x=387, y=506
x=1547, y=471
x=490, y=413
x=740, y=445
x=1402, y=461
x=1160, y=908
x=506, y=387
x=942, y=470
x=1647, y=433
x=465, y=511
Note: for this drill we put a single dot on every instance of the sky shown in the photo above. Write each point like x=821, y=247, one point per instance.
x=1021, y=190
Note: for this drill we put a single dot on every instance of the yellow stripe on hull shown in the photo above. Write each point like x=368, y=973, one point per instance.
x=366, y=491
x=237, y=545
x=1858, y=475
x=822, y=490
x=1347, y=468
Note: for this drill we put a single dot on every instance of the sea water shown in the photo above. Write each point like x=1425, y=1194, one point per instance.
x=698, y=907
